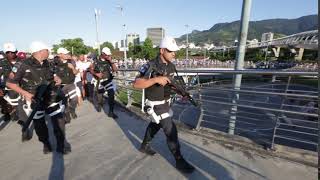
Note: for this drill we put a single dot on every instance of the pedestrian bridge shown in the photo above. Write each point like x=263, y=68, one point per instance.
x=271, y=133
x=103, y=148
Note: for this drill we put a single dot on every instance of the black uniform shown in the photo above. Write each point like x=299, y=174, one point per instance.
x=106, y=87
x=68, y=87
x=30, y=74
x=9, y=100
x=158, y=97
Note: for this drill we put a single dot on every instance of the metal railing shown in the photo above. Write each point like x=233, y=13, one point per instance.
x=273, y=107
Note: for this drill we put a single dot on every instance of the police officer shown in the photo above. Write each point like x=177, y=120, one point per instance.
x=66, y=71
x=8, y=98
x=30, y=74
x=102, y=70
x=158, y=94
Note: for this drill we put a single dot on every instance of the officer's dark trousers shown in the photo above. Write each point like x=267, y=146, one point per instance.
x=40, y=126
x=71, y=97
x=6, y=108
x=170, y=130
x=89, y=88
x=102, y=96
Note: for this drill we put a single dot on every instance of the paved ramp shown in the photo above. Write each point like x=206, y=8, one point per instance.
x=103, y=148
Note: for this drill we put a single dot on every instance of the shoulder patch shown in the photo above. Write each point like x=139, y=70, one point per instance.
x=144, y=68
x=14, y=69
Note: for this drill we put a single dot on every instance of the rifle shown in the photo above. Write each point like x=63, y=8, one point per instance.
x=35, y=104
x=176, y=84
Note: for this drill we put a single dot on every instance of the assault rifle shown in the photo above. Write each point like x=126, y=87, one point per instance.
x=35, y=105
x=176, y=84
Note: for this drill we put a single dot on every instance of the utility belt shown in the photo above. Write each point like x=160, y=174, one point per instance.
x=149, y=109
x=71, y=92
x=53, y=109
x=104, y=85
x=11, y=97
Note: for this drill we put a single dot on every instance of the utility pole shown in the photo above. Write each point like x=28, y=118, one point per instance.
x=120, y=7
x=187, y=48
x=97, y=13
x=245, y=16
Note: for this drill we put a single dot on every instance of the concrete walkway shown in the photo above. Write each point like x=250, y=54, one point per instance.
x=103, y=148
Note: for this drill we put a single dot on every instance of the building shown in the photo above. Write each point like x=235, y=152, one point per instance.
x=133, y=38
x=122, y=43
x=267, y=37
x=156, y=35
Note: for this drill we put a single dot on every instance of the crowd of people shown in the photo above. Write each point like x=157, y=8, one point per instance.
x=36, y=86
x=211, y=63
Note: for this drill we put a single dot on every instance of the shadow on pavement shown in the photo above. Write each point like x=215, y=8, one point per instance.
x=3, y=123
x=57, y=167
x=205, y=169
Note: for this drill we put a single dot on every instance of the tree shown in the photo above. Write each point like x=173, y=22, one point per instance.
x=148, y=51
x=107, y=44
x=75, y=46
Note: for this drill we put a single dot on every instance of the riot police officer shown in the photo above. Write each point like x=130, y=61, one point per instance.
x=158, y=94
x=102, y=70
x=31, y=74
x=66, y=71
x=8, y=98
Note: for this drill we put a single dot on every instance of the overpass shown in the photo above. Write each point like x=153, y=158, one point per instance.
x=300, y=41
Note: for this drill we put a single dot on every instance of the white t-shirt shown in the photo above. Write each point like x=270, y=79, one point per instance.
x=81, y=66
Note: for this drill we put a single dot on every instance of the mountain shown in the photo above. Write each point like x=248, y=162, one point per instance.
x=226, y=33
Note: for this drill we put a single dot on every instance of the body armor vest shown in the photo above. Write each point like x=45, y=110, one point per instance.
x=103, y=67
x=64, y=72
x=6, y=68
x=35, y=74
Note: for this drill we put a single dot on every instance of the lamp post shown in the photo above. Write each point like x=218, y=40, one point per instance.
x=125, y=37
x=97, y=13
x=187, y=48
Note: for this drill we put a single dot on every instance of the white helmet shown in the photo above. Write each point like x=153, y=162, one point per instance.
x=37, y=46
x=169, y=43
x=62, y=50
x=9, y=47
x=106, y=51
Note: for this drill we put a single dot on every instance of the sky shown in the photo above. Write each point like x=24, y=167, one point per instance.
x=24, y=21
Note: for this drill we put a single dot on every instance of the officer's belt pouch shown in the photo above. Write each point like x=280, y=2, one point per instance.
x=27, y=109
x=159, y=110
x=12, y=99
x=56, y=108
x=105, y=85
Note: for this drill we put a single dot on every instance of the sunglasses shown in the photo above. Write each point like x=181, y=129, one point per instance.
x=169, y=51
x=10, y=52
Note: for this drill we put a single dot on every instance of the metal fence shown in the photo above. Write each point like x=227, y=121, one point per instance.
x=270, y=107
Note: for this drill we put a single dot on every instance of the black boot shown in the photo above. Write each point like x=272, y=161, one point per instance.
x=47, y=148
x=146, y=148
x=112, y=115
x=73, y=114
x=7, y=117
x=62, y=149
x=26, y=135
x=184, y=166
x=67, y=117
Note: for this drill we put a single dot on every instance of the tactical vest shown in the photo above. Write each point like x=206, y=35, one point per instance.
x=35, y=74
x=103, y=67
x=6, y=68
x=157, y=92
x=64, y=72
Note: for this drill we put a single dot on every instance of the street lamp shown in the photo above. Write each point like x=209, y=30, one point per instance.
x=187, y=48
x=125, y=36
x=97, y=13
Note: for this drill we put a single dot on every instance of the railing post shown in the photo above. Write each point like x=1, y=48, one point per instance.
x=142, y=100
x=200, y=104
x=129, y=91
x=277, y=118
